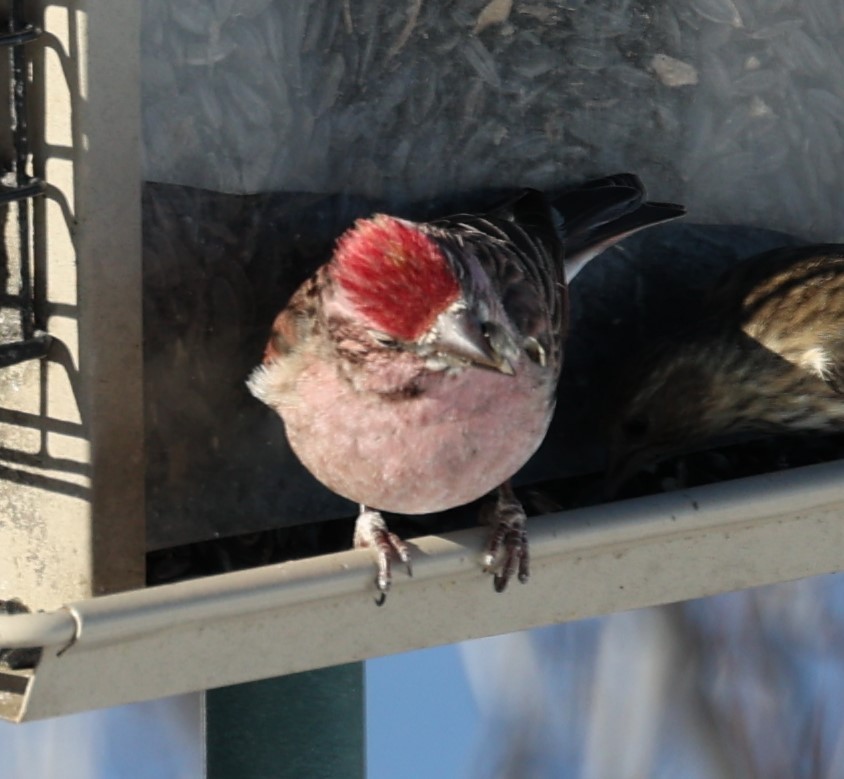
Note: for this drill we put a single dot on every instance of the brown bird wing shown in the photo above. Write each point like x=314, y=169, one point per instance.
x=791, y=301
x=297, y=319
x=519, y=248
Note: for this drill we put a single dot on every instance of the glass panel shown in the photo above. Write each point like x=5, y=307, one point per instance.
x=269, y=126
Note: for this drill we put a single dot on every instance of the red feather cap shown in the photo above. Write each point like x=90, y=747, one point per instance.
x=395, y=275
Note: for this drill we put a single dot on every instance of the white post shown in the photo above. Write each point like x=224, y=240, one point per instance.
x=71, y=427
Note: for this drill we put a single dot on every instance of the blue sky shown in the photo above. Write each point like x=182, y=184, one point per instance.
x=422, y=720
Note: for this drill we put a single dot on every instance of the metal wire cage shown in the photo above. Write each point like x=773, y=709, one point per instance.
x=21, y=339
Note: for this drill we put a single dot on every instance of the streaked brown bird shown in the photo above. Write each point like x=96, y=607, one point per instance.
x=766, y=356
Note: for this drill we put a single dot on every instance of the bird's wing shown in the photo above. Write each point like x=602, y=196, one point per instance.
x=518, y=247
x=791, y=301
x=600, y=213
x=531, y=245
x=297, y=319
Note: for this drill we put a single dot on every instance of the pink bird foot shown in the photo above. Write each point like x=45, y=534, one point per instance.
x=371, y=533
x=507, y=549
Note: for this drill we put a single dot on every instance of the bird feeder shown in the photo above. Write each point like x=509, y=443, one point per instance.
x=176, y=169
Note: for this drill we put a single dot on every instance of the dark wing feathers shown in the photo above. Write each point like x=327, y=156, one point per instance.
x=603, y=212
x=531, y=243
x=519, y=247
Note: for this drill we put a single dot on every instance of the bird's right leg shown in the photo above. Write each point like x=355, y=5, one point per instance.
x=506, y=552
x=371, y=533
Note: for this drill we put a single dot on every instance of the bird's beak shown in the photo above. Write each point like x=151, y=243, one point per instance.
x=461, y=335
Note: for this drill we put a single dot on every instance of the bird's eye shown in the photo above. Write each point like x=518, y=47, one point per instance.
x=535, y=351
x=493, y=333
x=636, y=426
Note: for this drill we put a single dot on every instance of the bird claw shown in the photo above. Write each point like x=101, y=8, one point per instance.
x=371, y=533
x=507, y=553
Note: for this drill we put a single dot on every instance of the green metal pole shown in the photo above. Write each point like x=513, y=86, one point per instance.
x=308, y=726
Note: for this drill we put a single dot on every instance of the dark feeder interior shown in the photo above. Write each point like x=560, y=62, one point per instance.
x=329, y=112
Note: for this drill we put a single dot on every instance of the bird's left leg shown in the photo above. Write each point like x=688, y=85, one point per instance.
x=371, y=533
x=507, y=549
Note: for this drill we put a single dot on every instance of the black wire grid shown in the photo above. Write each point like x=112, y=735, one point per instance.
x=34, y=342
